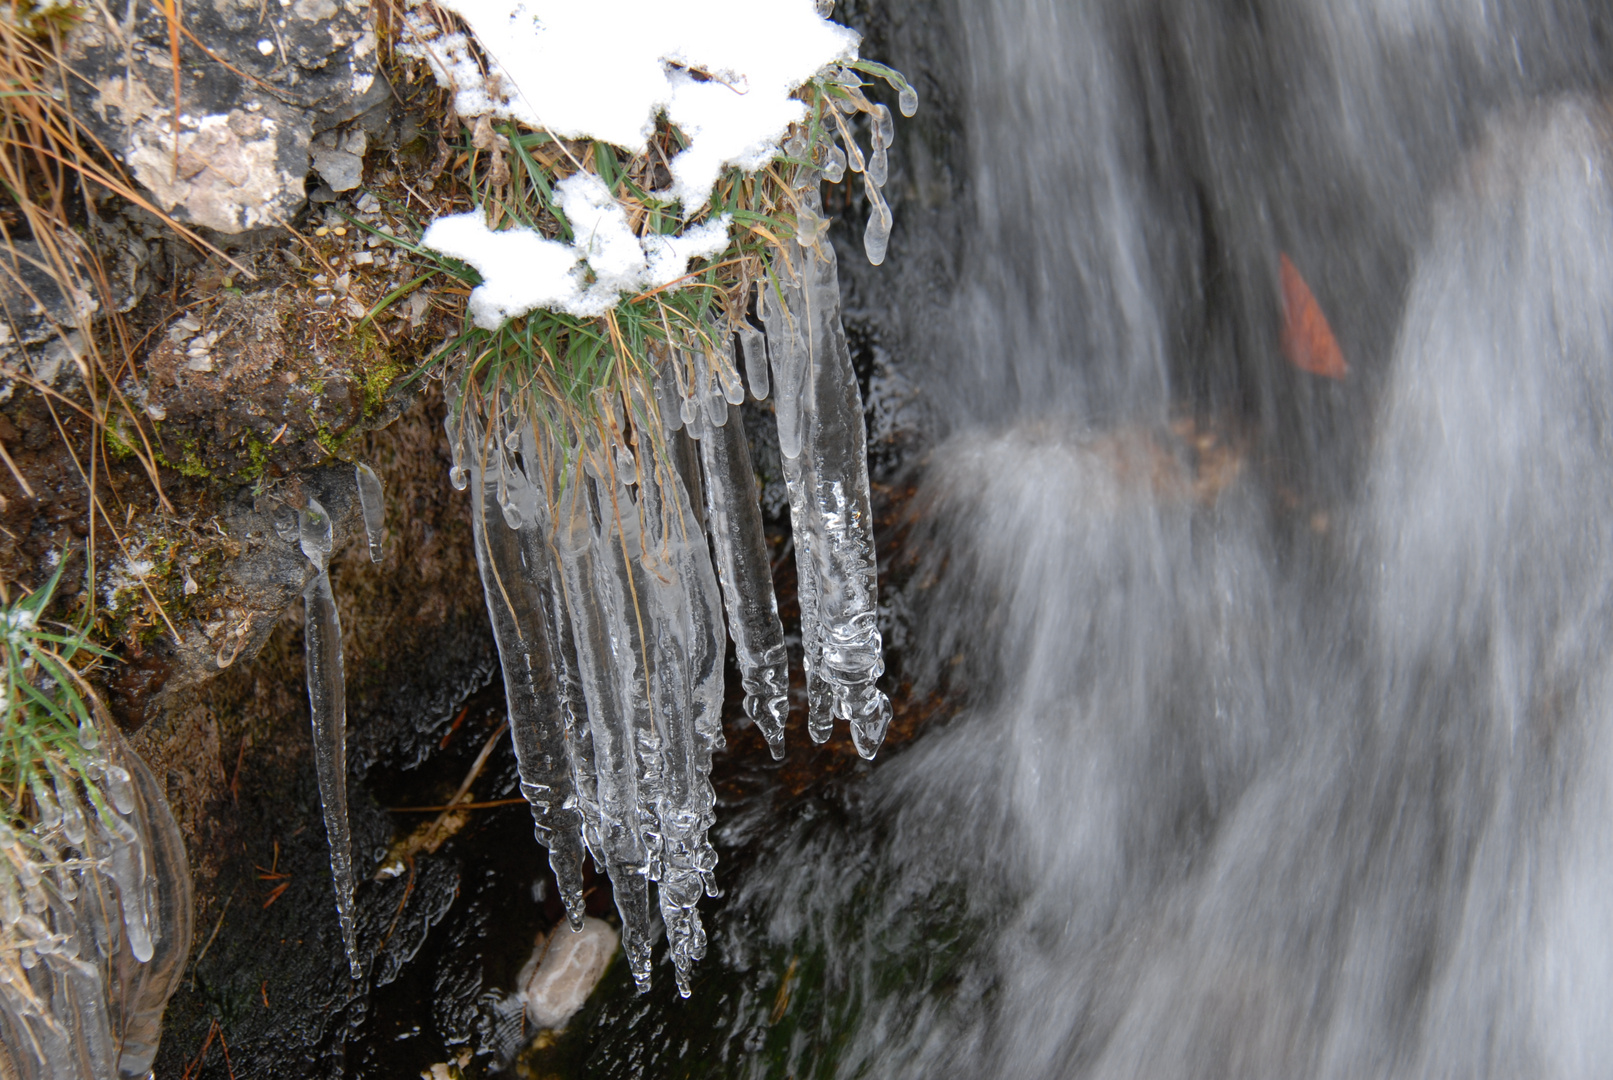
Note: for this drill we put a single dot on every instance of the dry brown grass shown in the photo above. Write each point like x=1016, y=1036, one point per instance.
x=53, y=173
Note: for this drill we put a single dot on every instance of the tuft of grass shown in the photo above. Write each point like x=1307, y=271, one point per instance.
x=571, y=375
x=48, y=721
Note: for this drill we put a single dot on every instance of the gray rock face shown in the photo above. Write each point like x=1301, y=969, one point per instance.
x=239, y=156
x=34, y=306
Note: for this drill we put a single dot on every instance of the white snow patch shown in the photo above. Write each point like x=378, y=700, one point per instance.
x=522, y=271
x=606, y=71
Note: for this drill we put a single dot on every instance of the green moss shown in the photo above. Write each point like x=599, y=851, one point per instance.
x=332, y=442
x=380, y=371
x=258, y=453
x=190, y=462
x=117, y=442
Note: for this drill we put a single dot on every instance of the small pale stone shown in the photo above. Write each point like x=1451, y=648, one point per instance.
x=564, y=970
x=342, y=171
x=266, y=47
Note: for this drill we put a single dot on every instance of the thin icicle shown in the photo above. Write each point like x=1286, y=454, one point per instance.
x=745, y=571
x=372, y=499
x=798, y=484
x=327, y=700
x=786, y=351
x=877, y=235
x=515, y=582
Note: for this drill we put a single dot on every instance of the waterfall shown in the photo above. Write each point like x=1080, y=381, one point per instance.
x=1285, y=722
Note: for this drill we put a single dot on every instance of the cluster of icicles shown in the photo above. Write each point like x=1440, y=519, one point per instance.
x=595, y=545
x=95, y=921
x=834, y=160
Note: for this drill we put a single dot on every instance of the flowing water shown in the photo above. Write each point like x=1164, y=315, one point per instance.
x=1287, y=747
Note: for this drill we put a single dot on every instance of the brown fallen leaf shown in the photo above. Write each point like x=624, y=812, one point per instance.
x=1307, y=339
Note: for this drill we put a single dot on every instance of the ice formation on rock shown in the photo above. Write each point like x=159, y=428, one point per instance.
x=95, y=921
x=596, y=522
x=594, y=539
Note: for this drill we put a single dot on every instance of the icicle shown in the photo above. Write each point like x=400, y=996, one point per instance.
x=727, y=372
x=876, y=237
x=686, y=681
x=373, y=501
x=745, y=571
x=327, y=700
x=708, y=389
x=614, y=751
x=666, y=394
x=579, y=743
x=834, y=167
x=574, y=712
x=907, y=101
x=753, y=345
x=786, y=352
x=140, y=992
x=884, y=127
x=797, y=482
x=830, y=508
x=514, y=566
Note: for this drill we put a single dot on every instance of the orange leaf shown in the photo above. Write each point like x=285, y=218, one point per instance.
x=1308, y=341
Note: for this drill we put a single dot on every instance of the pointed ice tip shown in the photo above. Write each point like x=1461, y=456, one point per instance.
x=776, y=748
x=868, y=735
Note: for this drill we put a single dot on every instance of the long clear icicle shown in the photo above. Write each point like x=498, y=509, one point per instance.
x=579, y=744
x=745, y=571
x=826, y=470
x=627, y=858
x=514, y=566
x=686, y=678
x=327, y=700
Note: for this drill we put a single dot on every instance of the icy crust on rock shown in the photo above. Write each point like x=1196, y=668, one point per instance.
x=95, y=923
x=721, y=70
x=523, y=271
